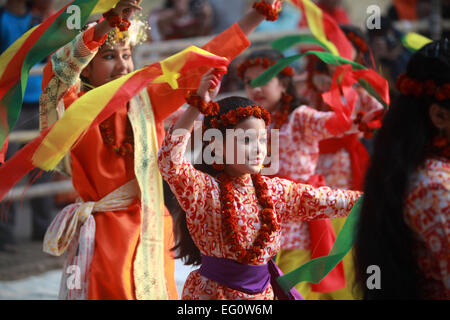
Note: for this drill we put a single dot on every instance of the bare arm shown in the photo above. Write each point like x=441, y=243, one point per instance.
x=209, y=80
x=125, y=9
x=251, y=20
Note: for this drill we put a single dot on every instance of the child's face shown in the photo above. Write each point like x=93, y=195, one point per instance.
x=269, y=95
x=109, y=64
x=249, y=149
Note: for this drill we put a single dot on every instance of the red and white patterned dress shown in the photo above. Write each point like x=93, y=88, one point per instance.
x=299, y=152
x=427, y=212
x=336, y=168
x=198, y=195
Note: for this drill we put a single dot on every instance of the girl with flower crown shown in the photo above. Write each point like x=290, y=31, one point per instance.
x=119, y=235
x=301, y=128
x=343, y=160
x=404, y=224
x=232, y=214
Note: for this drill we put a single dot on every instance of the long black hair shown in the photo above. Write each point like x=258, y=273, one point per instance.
x=275, y=56
x=401, y=145
x=185, y=247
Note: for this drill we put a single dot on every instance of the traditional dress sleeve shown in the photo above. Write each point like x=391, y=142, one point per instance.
x=194, y=190
x=427, y=212
x=296, y=201
x=60, y=84
x=366, y=102
x=311, y=124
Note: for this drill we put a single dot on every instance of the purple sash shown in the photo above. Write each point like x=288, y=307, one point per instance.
x=251, y=279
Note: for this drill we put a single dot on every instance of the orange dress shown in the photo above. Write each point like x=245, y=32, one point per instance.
x=97, y=171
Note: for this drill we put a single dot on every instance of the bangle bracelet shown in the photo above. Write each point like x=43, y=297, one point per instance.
x=124, y=25
x=208, y=109
x=113, y=19
x=267, y=10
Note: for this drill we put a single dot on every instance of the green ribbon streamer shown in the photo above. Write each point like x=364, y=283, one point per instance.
x=56, y=36
x=315, y=270
x=287, y=42
x=327, y=58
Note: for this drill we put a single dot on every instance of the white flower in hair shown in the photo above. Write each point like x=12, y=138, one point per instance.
x=136, y=34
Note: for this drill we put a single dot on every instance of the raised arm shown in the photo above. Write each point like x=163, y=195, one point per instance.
x=310, y=124
x=191, y=187
x=225, y=43
x=252, y=19
x=229, y=44
x=61, y=78
x=62, y=75
x=296, y=201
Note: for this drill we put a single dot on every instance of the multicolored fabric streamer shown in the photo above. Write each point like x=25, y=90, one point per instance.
x=325, y=29
x=95, y=106
x=108, y=97
x=315, y=270
x=371, y=81
x=33, y=47
x=341, y=85
x=287, y=42
x=414, y=41
x=346, y=74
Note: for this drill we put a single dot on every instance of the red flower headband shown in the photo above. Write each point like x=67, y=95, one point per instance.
x=409, y=86
x=233, y=117
x=265, y=62
x=359, y=42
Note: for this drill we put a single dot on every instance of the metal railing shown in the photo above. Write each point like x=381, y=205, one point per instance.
x=39, y=190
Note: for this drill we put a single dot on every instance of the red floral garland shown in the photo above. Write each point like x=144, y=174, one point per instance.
x=268, y=219
x=125, y=25
x=409, y=86
x=116, y=21
x=280, y=117
x=233, y=117
x=268, y=10
x=265, y=62
x=441, y=147
x=109, y=137
x=208, y=109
